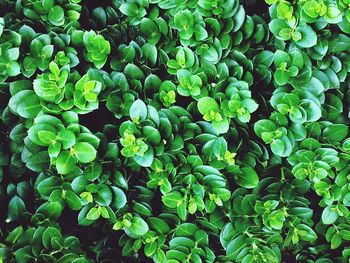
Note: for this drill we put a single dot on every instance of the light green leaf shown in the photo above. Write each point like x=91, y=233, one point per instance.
x=172, y=199
x=207, y=104
x=329, y=215
x=138, y=226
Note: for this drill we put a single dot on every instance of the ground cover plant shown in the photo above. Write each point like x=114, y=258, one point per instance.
x=174, y=131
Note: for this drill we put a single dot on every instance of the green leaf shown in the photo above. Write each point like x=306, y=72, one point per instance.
x=147, y=159
x=329, y=215
x=262, y=126
x=282, y=147
x=16, y=208
x=277, y=219
x=38, y=162
x=182, y=211
x=336, y=241
x=151, y=135
x=207, y=104
x=24, y=254
x=56, y=16
x=52, y=210
x=311, y=8
x=132, y=71
x=48, y=235
x=48, y=185
x=335, y=133
x=72, y=200
x=239, y=18
x=280, y=56
x=14, y=235
x=309, y=36
x=46, y=137
x=248, y=177
x=281, y=77
x=181, y=242
x=150, y=249
x=150, y=52
x=172, y=199
x=138, y=110
x=160, y=225
x=264, y=57
x=85, y=152
x=345, y=234
x=29, y=106
x=104, y=196
x=221, y=126
x=93, y=171
x=333, y=14
x=54, y=68
x=67, y=137
x=277, y=25
x=138, y=226
x=119, y=197
x=93, y=214
x=129, y=9
x=278, y=147
x=235, y=247
x=65, y=162
x=219, y=147
x=306, y=233
x=346, y=199
x=186, y=229
x=339, y=44
x=13, y=69
x=160, y=256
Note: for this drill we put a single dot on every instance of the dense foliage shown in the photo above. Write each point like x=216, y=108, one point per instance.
x=174, y=131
